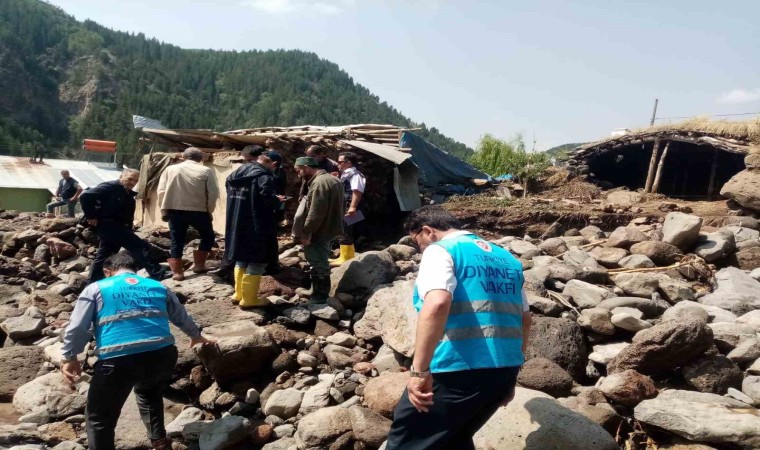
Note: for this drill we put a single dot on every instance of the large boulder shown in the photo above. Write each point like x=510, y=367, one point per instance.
x=628, y=387
x=623, y=199
x=661, y=253
x=391, y=316
x=702, y=417
x=60, y=248
x=637, y=284
x=28, y=325
x=322, y=427
x=239, y=357
x=224, y=433
x=362, y=274
x=748, y=258
x=625, y=237
x=19, y=366
x=597, y=320
x=744, y=189
x=284, y=403
x=713, y=374
x=560, y=341
x=713, y=246
x=645, y=305
x=681, y=230
x=609, y=257
x=535, y=421
x=382, y=394
x=57, y=224
x=199, y=288
x=585, y=295
x=664, y=347
x=735, y=291
x=369, y=428
x=49, y=393
x=545, y=376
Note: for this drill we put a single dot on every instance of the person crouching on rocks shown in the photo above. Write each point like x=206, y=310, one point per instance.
x=130, y=317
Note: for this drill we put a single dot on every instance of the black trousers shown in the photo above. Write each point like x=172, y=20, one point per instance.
x=113, y=236
x=113, y=380
x=462, y=403
x=180, y=221
x=347, y=238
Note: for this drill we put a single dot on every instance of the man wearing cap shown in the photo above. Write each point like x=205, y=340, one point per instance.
x=187, y=195
x=251, y=226
x=318, y=221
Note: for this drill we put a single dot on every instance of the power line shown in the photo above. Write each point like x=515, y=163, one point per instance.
x=711, y=115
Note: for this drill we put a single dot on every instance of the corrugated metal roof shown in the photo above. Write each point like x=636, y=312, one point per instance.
x=18, y=172
x=392, y=154
x=147, y=122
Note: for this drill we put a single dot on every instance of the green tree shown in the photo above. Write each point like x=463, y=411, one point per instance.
x=499, y=157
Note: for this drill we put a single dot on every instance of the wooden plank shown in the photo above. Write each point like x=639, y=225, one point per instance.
x=660, y=166
x=652, y=166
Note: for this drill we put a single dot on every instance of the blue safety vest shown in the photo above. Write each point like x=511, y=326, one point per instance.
x=133, y=317
x=484, y=326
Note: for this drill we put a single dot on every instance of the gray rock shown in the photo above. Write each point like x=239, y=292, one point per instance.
x=623, y=199
x=729, y=335
x=604, y=353
x=51, y=393
x=663, y=347
x=713, y=374
x=637, y=284
x=645, y=305
x=387, y=360
x=68, y=445
x=286, y=443
x=681, y=230
x=282, y=431
x=338, y=357
x=674, y=290
x=28, y=325
x=585, y=295
x=363, y=273
x=544, y=306
x=382, y=394
x=324, y=312
x=187, y=416
x=628, y=310
x=579, y=258
x=702, y=417
x=741, y=396
x=560, y=341
x=342, y=339
x=401, y=252
x=624, y=237
x=553, y=246
x=534, y=420
x=19, y=366
x=318, y=396
x=239, y=357
x=742, y=234
x=751, y=388
x=628, y=388
x=520, y=248
x=535, y=280
x=686, y=310
x=592, y=232
x=746, y=351
x=714, y=246
x=298, y=315
x=284, y=403
x=323, y=427
x=751, y=318
x=390, y=315
x=544, y=260
x=306, y=359
x=735, y=291
x=130, y=431
x=252, y=396
x=636, y=262
x=755, y=274
x=628, y=322
x=543, y=375
x=563, y=272
x=754, y=368
x=224, y=433
x=609, y=256
x=369, y=428
x=596, y=320
x=661, y=253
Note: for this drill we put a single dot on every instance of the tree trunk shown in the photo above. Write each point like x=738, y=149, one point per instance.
x=652, y=165
x=658, y=177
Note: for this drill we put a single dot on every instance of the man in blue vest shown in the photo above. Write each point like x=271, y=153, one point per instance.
x=130, y=318
x=472, y=333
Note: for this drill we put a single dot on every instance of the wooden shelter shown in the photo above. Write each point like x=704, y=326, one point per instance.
x=392, y=185
x=691, y=159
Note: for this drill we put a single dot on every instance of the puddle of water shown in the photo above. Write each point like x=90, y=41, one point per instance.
x=8, y=414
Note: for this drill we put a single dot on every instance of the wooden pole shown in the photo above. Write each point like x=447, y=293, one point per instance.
x=658, y=177
x=652, y=166
x=713, y=171
x=654, y=112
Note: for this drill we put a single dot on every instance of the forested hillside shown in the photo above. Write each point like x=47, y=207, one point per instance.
x=63, y=80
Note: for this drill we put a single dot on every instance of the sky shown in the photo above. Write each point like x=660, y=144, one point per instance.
x=558, y=70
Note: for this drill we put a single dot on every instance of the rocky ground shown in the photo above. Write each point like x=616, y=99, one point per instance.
x=645, y=336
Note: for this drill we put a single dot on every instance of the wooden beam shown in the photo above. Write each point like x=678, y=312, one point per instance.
x=652, y=166
x=713, y=171
x=658, y=177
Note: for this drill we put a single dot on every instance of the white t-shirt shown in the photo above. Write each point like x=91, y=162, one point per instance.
x=437, y=271
x=357, y=181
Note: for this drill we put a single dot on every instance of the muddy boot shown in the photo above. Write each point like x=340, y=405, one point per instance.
x=175, y=264
x=320, y=284
x=199, y=261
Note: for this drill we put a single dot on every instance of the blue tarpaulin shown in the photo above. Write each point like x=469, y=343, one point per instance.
x=437, y=166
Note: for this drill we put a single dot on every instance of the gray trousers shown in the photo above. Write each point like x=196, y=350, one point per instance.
x=71, y=206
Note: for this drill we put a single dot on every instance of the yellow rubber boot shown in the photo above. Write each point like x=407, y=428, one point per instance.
x=238, y=274
x=347, y=252
x=250, y=290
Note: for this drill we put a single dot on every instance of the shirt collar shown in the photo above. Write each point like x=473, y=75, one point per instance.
x=456, y=234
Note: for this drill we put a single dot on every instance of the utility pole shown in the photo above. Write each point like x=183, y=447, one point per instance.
x=654, y=112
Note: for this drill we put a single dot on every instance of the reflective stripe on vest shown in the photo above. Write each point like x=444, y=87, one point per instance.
x=484, y=326
x=133, y=317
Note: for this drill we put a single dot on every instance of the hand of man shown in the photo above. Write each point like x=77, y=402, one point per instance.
x=351, y=212
x=200, y=340
x=93, y=222
x=421, y=392
x=306, y=240
x=72, y=370
x=281, y=198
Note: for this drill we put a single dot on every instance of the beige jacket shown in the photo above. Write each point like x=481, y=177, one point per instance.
x=188, y=186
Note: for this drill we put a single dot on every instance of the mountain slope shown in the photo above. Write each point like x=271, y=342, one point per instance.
x=68, y=80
